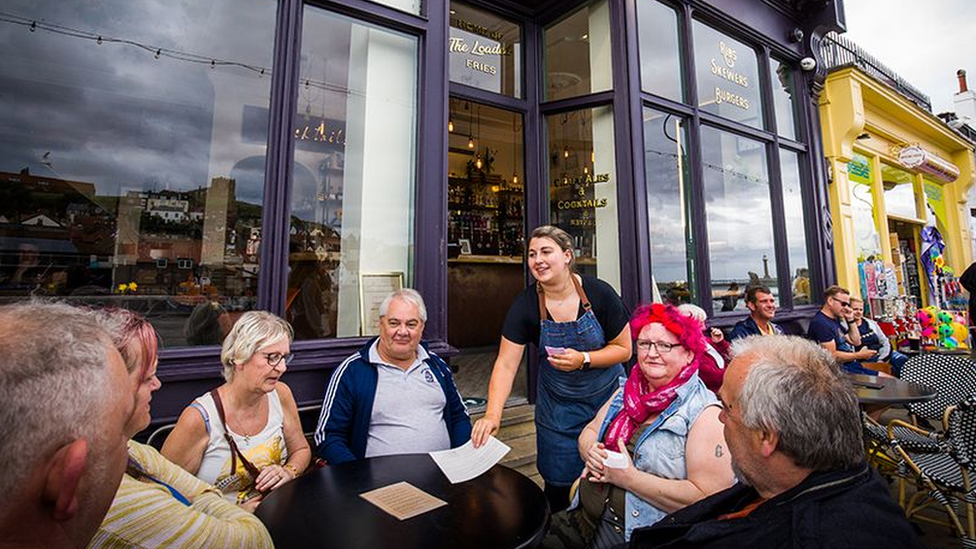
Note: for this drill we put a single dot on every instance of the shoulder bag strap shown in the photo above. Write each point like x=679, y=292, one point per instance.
x=235, y=452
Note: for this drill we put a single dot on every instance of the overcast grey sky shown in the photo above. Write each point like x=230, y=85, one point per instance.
x=924, y=42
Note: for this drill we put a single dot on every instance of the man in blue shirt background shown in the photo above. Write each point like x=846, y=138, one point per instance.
x=827, y=330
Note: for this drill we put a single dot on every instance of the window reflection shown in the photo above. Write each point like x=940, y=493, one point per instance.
x=583, y=188
x=781, y=74
x=899, y=192
x=728, y=76
x=795, y=235
x=668, y=205
x=739, y=215
x=352, y=193
x=132, y=145
x=577, y=53
x=660, y=61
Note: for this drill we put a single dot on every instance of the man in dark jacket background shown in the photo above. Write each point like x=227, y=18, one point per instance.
x=793, y=427
x=762, y=309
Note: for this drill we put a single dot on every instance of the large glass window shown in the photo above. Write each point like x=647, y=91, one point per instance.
x=660, y=53
x=728, y=76
x=577, y=53
x=484, y=51
x=583, y=188
x=352, y=193
x=867, y=241
x=795, y=235
x=899, y=192
x=132, y=148
x=668, y=205
x=784, y=91
x=739, y=215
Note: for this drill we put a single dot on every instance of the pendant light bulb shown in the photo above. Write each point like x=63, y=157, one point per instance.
x=565, y=152
x=470, y=142
x=515, y=178
x=478, y=163
x=586, y=169
x=450, y=125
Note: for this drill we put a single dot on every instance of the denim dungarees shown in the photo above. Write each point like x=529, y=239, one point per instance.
x=567, y=401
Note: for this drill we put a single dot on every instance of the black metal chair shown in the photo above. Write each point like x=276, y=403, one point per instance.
x=952, y=376
x=945, y=476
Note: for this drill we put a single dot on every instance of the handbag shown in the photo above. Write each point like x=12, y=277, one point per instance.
x=609, y=531
x=235, y=452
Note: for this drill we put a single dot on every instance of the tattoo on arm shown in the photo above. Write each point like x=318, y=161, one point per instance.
x=718, y=451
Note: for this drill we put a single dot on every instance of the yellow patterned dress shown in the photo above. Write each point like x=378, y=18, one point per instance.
x=159, y=505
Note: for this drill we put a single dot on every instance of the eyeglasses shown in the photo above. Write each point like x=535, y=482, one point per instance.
x=843, y=303
x=274, y=359
x=662, y=347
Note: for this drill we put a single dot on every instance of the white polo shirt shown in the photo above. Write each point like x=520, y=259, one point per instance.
x=408, y=411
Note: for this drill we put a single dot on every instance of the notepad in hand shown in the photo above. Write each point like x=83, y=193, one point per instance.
x=615, y=460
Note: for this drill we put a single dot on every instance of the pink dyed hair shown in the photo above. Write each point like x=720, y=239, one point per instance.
x=686, y=329
x=129, y=327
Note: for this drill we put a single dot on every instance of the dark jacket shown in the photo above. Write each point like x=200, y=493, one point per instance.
x=343, y=427
x=748, y=327
x=833, y=509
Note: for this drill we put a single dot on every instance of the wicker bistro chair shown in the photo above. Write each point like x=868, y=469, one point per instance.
x=953, y=378
x=945, y=477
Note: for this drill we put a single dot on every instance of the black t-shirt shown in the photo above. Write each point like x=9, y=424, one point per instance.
x=522, y=321
x=823, y=329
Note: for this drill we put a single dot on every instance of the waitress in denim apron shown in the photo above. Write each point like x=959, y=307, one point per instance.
x=579, y=365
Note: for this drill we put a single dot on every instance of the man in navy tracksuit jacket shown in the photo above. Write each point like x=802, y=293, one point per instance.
x=411, y=388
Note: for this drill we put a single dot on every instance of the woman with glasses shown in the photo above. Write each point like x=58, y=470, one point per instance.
x=656, y=446
x=245, y=436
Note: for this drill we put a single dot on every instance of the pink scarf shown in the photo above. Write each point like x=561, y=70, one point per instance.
x=640, y=402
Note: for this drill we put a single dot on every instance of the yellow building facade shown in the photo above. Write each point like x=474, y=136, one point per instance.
x=893, y=167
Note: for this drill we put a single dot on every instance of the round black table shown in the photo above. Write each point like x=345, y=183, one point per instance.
x=498, y=510
x=888, y=390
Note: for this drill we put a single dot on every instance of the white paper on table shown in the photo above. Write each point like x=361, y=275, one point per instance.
x=465, y=462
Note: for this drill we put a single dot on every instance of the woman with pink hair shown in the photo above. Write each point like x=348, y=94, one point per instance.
x=657, y=445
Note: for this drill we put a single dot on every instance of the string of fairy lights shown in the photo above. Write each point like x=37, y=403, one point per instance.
x=34, y=25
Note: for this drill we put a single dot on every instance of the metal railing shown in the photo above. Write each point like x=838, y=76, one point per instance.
x=838, y=51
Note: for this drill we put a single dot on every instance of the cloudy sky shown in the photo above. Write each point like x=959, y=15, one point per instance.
x=924, y=42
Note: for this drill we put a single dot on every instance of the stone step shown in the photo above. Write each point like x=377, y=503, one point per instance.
x=513, y=415
x=523, y=451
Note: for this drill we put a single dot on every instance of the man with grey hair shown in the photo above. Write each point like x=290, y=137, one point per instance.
x=793, y=428
x=65, y=398
x=393, y=396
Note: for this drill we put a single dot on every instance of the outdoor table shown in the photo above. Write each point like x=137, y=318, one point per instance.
x=497, y=510
x=888, y=390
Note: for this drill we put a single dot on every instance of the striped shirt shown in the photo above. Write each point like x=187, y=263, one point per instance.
x=146, y=513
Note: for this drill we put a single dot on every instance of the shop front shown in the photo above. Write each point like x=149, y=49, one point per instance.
x=898, y=197
x=193, y=162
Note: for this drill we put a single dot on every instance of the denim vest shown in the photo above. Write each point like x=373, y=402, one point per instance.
x=661, y=449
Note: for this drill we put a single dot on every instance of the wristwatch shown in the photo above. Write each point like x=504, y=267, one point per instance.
x=586, y=361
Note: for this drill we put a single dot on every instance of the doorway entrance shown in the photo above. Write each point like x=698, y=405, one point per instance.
x=485, y=239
